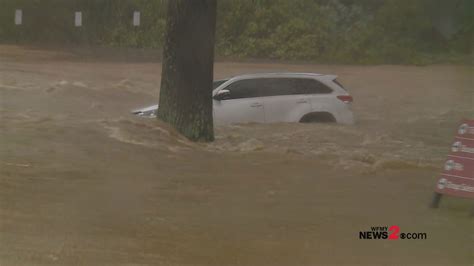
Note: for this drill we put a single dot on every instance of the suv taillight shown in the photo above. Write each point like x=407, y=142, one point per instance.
x=345, y=98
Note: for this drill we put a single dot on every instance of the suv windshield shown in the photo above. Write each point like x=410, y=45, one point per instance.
x=217, y=83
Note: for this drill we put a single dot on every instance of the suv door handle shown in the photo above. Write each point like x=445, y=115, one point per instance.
x=255, y=105
x=302, y=101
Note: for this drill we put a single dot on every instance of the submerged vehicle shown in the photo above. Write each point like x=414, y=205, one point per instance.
x=277, y=97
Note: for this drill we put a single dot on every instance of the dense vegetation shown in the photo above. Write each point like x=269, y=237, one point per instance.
x=343, y=31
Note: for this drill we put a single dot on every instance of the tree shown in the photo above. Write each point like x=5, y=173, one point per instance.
x=187, y=73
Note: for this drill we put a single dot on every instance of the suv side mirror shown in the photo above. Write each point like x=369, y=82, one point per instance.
x=222, y=95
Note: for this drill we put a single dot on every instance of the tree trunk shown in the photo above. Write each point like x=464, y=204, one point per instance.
x=187, y=74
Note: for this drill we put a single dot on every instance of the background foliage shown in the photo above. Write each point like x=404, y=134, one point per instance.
x=332, y=31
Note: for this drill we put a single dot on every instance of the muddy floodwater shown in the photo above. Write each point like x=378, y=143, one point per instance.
x=83, y=182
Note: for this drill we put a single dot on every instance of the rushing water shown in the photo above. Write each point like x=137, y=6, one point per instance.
x=84, y=180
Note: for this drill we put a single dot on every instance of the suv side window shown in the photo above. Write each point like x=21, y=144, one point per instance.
x=311, y=86
x=292, y=86
x=263, y=87
x=247, y=88
x=279, y=86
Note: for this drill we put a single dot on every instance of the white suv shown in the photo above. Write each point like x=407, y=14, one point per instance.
x=277, y=97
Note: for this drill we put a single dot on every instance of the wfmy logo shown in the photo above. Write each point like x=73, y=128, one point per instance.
x=390, y=233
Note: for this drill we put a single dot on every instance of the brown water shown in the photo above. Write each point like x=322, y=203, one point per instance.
x=83, y=182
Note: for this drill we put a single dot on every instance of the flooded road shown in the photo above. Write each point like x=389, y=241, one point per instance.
x=83, y=182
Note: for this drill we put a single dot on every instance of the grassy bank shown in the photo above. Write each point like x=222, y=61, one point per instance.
x=324, y=31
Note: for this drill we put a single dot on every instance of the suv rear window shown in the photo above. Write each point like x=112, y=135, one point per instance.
x=338, y=83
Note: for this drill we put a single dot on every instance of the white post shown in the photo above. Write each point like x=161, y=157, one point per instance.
x=136, y=18
x=18, y=16
x=78, y=19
